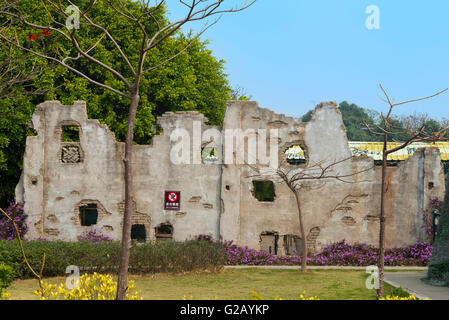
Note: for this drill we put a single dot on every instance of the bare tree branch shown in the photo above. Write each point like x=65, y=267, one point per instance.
x=295, y=179
x=183, y=49
x=64, y=65
x=416, y=133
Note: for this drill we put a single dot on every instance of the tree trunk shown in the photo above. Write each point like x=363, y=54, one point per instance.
x=303, y=235
x=381, y=262
x=126, y=232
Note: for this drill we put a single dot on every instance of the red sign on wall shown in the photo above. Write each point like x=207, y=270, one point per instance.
x=172, y=200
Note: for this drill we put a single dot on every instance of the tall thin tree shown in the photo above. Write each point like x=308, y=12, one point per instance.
x=416, y=131
x=296, y=178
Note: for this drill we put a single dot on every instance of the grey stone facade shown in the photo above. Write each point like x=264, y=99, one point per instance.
x=63, y=179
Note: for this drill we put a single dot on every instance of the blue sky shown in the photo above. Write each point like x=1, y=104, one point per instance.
x=292, y=54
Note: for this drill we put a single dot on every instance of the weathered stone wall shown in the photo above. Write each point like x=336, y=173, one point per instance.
x=59, y=178
x=53, y=190
x=333, y=210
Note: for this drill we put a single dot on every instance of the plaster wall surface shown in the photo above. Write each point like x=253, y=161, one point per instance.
x=53, y=190
x=217, y=198
x=333, y=210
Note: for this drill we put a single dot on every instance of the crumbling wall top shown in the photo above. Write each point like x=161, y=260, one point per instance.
x=173, y=119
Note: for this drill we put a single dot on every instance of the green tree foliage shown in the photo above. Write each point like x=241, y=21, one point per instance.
x=194, y=80
x=6, y=277
x=18, y=71
x=264, y=190
x=239, y=93
x=353, y=117
x=14, y=118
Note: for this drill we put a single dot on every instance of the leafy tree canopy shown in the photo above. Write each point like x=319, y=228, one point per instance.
x=194, y=80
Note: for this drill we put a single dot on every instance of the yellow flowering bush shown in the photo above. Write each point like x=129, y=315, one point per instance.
x=302, y=296
x=4, y=295
x=90, y=287
x=399, y=298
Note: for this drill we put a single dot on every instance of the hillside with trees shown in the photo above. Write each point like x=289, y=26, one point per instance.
x=354, y=116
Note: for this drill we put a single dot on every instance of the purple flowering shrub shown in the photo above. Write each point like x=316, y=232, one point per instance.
x=16, y=212
x=340, y=254
x=94, y=235
x=244, y=255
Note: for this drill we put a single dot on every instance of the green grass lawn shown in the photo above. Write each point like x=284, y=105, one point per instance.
x=237, y=284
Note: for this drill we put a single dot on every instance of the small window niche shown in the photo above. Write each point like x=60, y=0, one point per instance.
x=70, y=134
x=292, y=245
x=264, y=191
x=295, y=155
x=138, y=232
x=71, y=154
x=269, y=242
x=209, y=155
x=164, y=232
x=88, y=215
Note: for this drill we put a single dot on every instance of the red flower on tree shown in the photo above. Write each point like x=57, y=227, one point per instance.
x=45, y=32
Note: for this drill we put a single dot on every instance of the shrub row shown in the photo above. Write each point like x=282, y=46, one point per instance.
x=337, y=254
x=151, y=257
x=6, y=278
x=438, y=273
x=200, y=254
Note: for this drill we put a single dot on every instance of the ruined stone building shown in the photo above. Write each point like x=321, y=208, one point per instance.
x=71, y=185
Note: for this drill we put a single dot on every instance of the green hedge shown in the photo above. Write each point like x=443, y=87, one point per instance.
x=6, y=277
x=151, y=257
x=438, y=273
